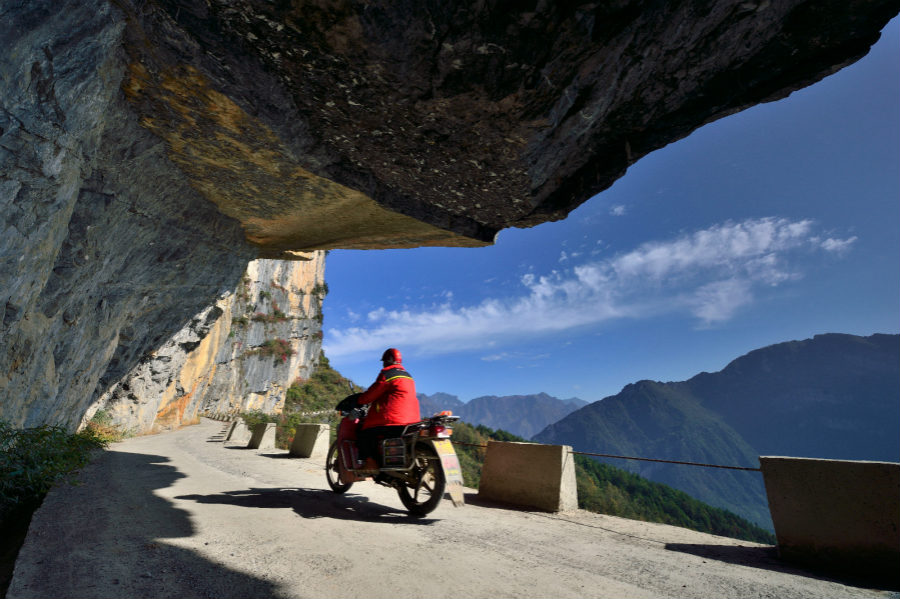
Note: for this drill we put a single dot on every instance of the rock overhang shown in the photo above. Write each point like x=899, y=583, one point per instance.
x=361, y=125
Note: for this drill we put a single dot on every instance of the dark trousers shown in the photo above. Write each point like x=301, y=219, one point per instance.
x=367, y=440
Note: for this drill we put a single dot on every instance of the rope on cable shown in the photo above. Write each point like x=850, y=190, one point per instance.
x=624, y=457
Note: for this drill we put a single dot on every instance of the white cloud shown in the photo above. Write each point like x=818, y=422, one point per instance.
x=838, y=245
x=719, y=300
x=617, y=210
x=729, y=246
x=496, y=357
x=710, y=274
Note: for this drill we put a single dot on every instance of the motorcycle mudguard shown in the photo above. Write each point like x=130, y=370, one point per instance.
x=452, y=470
x=346, y=457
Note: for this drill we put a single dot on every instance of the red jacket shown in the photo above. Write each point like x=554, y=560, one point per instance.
x=393, y=399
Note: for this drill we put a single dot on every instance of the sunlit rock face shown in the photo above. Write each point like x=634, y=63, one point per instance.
x=149, y=150
x=238, y=355
x=275, y=338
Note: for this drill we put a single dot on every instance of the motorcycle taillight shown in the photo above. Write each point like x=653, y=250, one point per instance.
x=439, y=430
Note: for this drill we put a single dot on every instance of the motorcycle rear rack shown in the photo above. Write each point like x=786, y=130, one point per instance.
x=407, y=438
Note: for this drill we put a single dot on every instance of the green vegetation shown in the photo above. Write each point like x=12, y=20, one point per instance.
x=279, y=348
x=311, y=401
x=324, y=389
x=276, y=316
x=32, y=460
x=609, y=490
x=101, y=427
x=468, y=441
x=243, y=290
x=320, y=289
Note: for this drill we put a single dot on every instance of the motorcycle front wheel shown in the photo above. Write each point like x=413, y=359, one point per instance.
x=425, y=492
x=333, y=472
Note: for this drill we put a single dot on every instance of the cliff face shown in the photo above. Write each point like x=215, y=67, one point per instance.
x=240, y=354
x=106, y=251
x=150, y=149
x=276, y=336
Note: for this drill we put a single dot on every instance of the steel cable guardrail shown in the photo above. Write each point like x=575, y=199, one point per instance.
x=625, y=457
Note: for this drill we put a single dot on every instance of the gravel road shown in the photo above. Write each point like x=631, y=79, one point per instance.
x=182, y=515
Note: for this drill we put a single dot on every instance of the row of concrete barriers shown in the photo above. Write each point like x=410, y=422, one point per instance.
x=310, y=440
x=837, y=514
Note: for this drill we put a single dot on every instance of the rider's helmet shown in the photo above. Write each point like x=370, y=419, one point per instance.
x=392, y=356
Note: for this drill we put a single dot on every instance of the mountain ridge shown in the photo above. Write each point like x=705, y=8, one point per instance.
x=833, y=396
x=522, y=415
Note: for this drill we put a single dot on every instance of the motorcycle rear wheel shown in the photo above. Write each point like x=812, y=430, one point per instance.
x=422, y=497
x=333, y=472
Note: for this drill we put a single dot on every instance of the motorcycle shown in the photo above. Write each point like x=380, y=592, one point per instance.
x=420, y=464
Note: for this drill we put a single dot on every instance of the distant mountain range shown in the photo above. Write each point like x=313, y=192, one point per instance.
x=834, y=396
x=522, y=415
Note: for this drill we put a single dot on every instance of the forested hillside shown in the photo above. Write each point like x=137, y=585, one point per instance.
x=833, y=396
x=608, y=490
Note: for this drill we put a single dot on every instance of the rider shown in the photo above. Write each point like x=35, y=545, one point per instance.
x=394, y=405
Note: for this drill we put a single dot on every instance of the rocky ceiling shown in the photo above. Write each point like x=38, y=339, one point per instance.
x=150, y=148
x=373, y=124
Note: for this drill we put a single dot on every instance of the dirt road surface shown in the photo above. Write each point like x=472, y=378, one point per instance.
x=181, y=515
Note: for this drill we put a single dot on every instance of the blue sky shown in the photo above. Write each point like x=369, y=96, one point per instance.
x=777, y=223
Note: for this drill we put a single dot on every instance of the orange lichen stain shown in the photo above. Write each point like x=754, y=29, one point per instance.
x=137, y=80
x=172, y=413
x=238, y=163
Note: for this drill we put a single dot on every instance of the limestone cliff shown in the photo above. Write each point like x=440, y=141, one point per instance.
x=106, y=250
x=150, y=149
x=238, y=355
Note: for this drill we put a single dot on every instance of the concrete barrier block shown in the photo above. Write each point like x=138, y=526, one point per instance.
x=238, y=433
x=835, y=514
x=263, y=436
x=530, y=475
x=311, y=441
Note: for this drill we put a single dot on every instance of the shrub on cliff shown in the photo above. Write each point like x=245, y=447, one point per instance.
x=322, y=392
x=278, y=348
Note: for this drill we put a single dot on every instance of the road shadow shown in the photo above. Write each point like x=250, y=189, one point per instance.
x=113, y=544
x=219, y=436
x=766, y=558
x=280, y=456
x=472, y=498
x=313, y=503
